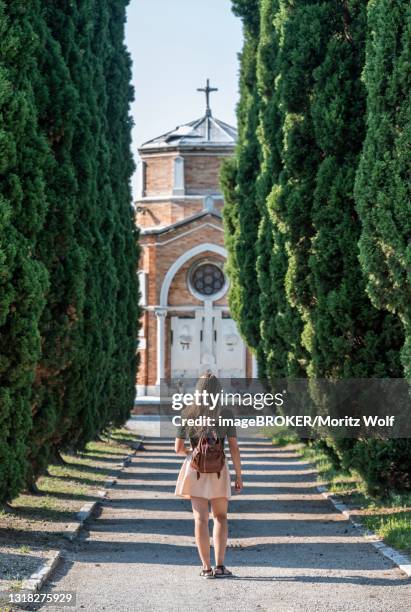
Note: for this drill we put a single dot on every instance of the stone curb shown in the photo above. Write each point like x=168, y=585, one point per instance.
x=400, y=560
x=36, y=580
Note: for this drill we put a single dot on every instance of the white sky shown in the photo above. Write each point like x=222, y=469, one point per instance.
x=175, y=46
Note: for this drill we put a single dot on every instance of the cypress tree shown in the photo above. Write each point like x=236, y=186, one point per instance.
x=24, y=160
x=87, y=399
x=303, y=30
x=249, y=11
x=270, y=352
x=125, y=236
x=57, y=101
x=383, y=185
x=383, y=195
x=241, y=215
x=346, y=336
x=68, y=253
x=72, y=26
x=96, y=418
x=67, y=103
x=103, y=376
x=275, y=357
x=315, y=317
x=349, y=338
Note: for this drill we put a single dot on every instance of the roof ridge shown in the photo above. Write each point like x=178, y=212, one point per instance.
x=218, y=122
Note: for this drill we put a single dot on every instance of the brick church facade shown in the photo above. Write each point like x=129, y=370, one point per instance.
x=186, y=324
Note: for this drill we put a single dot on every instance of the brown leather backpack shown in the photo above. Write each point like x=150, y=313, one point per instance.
x=208, y=455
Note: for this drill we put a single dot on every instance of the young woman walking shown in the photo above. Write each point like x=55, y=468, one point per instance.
x=208, y=488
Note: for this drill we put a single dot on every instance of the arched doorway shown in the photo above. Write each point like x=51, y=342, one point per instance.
x=202, y=334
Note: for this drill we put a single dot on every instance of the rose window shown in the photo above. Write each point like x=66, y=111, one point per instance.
x=207, y=279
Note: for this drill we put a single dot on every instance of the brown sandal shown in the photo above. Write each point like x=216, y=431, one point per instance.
x=207, y=573
x=220, y=571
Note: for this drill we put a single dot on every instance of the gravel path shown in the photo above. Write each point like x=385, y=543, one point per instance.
x=289, y=549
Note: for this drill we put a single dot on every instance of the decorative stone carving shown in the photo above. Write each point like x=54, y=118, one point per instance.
x=185, y=338
x=231, y=341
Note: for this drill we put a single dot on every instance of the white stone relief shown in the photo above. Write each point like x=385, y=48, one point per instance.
x=207, y=342
x=185, y=338
x=231, y=341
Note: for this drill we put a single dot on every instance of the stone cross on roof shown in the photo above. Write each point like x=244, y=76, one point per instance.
x=207, y=90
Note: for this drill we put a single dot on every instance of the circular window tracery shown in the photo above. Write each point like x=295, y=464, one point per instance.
x=207, y=279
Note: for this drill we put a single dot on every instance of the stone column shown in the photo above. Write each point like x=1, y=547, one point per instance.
x=142, y=178
x=254, y=366
x=207, y=356
x=161, y=341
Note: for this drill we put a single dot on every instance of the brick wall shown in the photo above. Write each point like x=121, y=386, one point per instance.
x=202, y=174
x=166, y=212
x=159, y=175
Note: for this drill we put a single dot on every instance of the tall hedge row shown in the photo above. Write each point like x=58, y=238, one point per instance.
x=24, y=162
x=383, y=187
x=238, y=183
x=331, y=196
x=68, y=247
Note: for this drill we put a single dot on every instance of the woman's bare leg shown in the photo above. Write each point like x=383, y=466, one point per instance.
x=202, y=535
x=219, y=506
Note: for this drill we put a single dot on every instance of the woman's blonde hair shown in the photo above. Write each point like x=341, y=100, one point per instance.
x=209, y=383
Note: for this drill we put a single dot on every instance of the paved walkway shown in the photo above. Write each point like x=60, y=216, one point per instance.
x=289, y=549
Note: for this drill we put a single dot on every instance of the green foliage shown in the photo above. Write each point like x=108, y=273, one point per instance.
x=23, y=205
x=346, y=336
x=385, y=465
x=270, y=352
x=277, y=354
x=383, y=196
x=240, y=211
x=68, y=252
x=102, y=282
x=248, y=10
x=383, y=186
x=102, y=378
x=315, y=317
x=394, y=527
x=58, y=247
x=124, y=244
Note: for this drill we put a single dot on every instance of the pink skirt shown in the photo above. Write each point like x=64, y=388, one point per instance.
x=208, y=486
